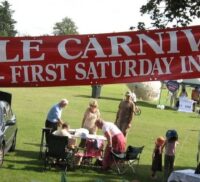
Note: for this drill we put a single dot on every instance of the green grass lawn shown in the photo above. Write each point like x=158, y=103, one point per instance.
x=32, y=104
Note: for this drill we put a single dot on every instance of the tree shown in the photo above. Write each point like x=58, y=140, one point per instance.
x=170, y=12
x=7, y=24
x=65, y=27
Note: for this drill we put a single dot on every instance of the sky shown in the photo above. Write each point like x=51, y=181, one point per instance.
x=37, y=17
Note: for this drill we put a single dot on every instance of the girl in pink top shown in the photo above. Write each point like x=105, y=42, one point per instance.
x=170, y=150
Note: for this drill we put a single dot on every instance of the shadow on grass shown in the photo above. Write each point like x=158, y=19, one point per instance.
x=30, y=165
x=33, y=163
x=103, y=98
x=28, y=159
x=27, y=154
x=110, y=98
x=84, y=96
x=111, y=176
x=152, y=105
x=139, y=103
x=146, y=104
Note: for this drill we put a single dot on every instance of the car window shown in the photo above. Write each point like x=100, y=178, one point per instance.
x=8, y=111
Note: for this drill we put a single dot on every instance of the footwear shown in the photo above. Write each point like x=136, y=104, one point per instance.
x=153, y=177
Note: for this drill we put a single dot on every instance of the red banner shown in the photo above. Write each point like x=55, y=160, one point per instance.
x=125, y=57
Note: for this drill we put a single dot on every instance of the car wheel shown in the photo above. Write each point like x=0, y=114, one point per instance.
x=12, y=148
x=1, y=154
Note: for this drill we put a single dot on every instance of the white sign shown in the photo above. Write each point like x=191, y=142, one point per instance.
x=185, y=104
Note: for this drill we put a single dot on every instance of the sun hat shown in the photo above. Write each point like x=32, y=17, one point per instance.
x=93, y=102
x=128, y=93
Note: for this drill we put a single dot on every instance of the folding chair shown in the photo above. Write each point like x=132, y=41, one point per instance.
x=127, y=160
x=57, y=152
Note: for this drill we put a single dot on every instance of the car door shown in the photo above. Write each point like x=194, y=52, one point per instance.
x=9, y=120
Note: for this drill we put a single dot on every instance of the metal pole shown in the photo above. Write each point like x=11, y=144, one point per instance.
x=160, y=93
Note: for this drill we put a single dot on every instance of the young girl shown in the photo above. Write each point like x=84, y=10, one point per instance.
x=170, y=149
x=157, y=156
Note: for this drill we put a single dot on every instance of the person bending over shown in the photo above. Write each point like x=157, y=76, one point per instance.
x=115, y=141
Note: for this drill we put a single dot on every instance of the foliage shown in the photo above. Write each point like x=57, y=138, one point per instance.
x=65, y=27
x=7, y=27
x=174, y=12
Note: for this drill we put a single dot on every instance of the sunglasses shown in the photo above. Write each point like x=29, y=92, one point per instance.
x=93, y=106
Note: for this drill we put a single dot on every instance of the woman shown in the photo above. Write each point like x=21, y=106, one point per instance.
x=115, y=141
x=90, y=116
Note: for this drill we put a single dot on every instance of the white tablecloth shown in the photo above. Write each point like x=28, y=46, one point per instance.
x=84, y=133
x=186, y=175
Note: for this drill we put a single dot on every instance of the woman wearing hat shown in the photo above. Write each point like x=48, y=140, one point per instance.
x=125, y=113
x=90, y=116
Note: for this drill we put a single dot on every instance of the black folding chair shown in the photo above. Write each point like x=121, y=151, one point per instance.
x=127, y=160
x=58, y=153
x=43, y=143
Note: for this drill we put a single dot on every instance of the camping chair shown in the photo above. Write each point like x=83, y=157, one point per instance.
x=126, y=160
x=57, y=152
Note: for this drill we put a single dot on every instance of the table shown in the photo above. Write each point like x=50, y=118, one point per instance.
x=84, y=134
x=186, y=175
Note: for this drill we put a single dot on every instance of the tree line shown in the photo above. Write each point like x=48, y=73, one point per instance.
x=163, y=14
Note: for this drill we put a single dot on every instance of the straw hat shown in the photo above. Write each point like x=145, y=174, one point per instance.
x=93, y=102
x=128, y=93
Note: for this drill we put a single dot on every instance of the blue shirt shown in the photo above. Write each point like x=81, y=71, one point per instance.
x=54, y=114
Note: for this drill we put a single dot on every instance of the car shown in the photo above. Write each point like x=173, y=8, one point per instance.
x=8, y=126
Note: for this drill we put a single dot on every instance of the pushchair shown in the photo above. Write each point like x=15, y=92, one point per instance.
x=126, y=160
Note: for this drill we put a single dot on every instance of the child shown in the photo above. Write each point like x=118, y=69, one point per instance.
x=157, y=156
x=63, y=130
x=170, y=149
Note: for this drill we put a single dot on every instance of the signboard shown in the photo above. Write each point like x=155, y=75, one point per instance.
x=124, y=57
x=185, y=104
x=172, y=86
